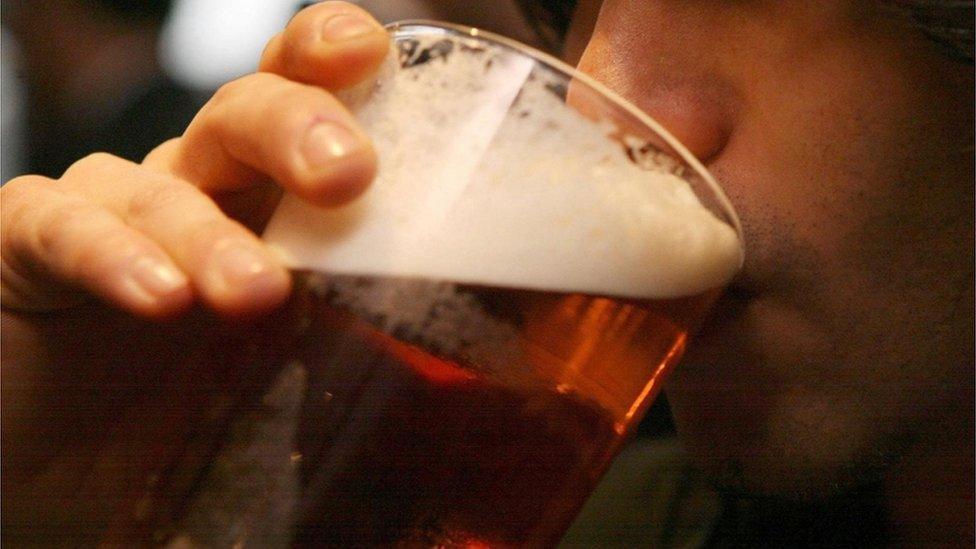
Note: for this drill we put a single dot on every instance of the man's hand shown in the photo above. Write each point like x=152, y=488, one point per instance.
x=98, y=394
x=152, y=238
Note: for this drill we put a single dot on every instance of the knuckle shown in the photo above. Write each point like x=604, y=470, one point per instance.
x=163, y=152
x=97, y=167
x=242, y=86
x=27, y=180
x=93, y=163
x=22, y=199
x=77, y=242
x=55, y=226
x=99, y=159
x=270, y=54
x=287, y=108
x=227, y=90
x=23, y=189
x=160, y=196
x=232, y=99
x=56, y=234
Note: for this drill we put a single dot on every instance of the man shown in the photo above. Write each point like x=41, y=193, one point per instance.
x=844, y=352
x=842, y=356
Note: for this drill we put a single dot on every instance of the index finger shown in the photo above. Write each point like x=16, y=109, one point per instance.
x=331, y=44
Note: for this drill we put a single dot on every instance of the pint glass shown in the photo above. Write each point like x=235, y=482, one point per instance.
x=486, y=325
x=470, y=342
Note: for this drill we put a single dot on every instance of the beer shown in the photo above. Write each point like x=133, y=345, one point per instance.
x=499, y=308
x=438, y=452
x=469, y=342
x=430, y=414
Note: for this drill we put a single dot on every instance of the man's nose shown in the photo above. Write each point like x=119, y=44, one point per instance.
x=697, y=109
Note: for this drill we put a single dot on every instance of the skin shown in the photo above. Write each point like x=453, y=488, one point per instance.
x=116, y=271
x=841, y=355
x=844, y=352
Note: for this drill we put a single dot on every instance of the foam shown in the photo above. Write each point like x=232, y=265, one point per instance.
x=487, y=177
x=444, y=318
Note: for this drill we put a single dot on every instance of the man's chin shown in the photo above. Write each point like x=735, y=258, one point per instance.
x=775, y=464
x=755, y=480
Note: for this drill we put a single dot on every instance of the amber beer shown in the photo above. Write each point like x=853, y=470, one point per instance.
x=468, y=345
x=484, y=424
x=373, y=411
x=472, y=338
x=387, y=411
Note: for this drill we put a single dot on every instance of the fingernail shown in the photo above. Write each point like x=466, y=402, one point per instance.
x=327, y=141
x=157, y=278
x=344, y=26
x=238, y=264
x=244, y=279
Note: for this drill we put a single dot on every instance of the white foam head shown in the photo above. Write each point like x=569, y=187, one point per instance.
x=488, y=177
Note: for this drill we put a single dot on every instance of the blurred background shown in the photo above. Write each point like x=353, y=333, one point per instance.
x=121, y=76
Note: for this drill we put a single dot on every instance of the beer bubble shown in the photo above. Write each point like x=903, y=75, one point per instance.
x=440, y=317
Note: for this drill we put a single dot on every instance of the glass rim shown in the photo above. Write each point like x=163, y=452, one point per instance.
x=616, y=99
